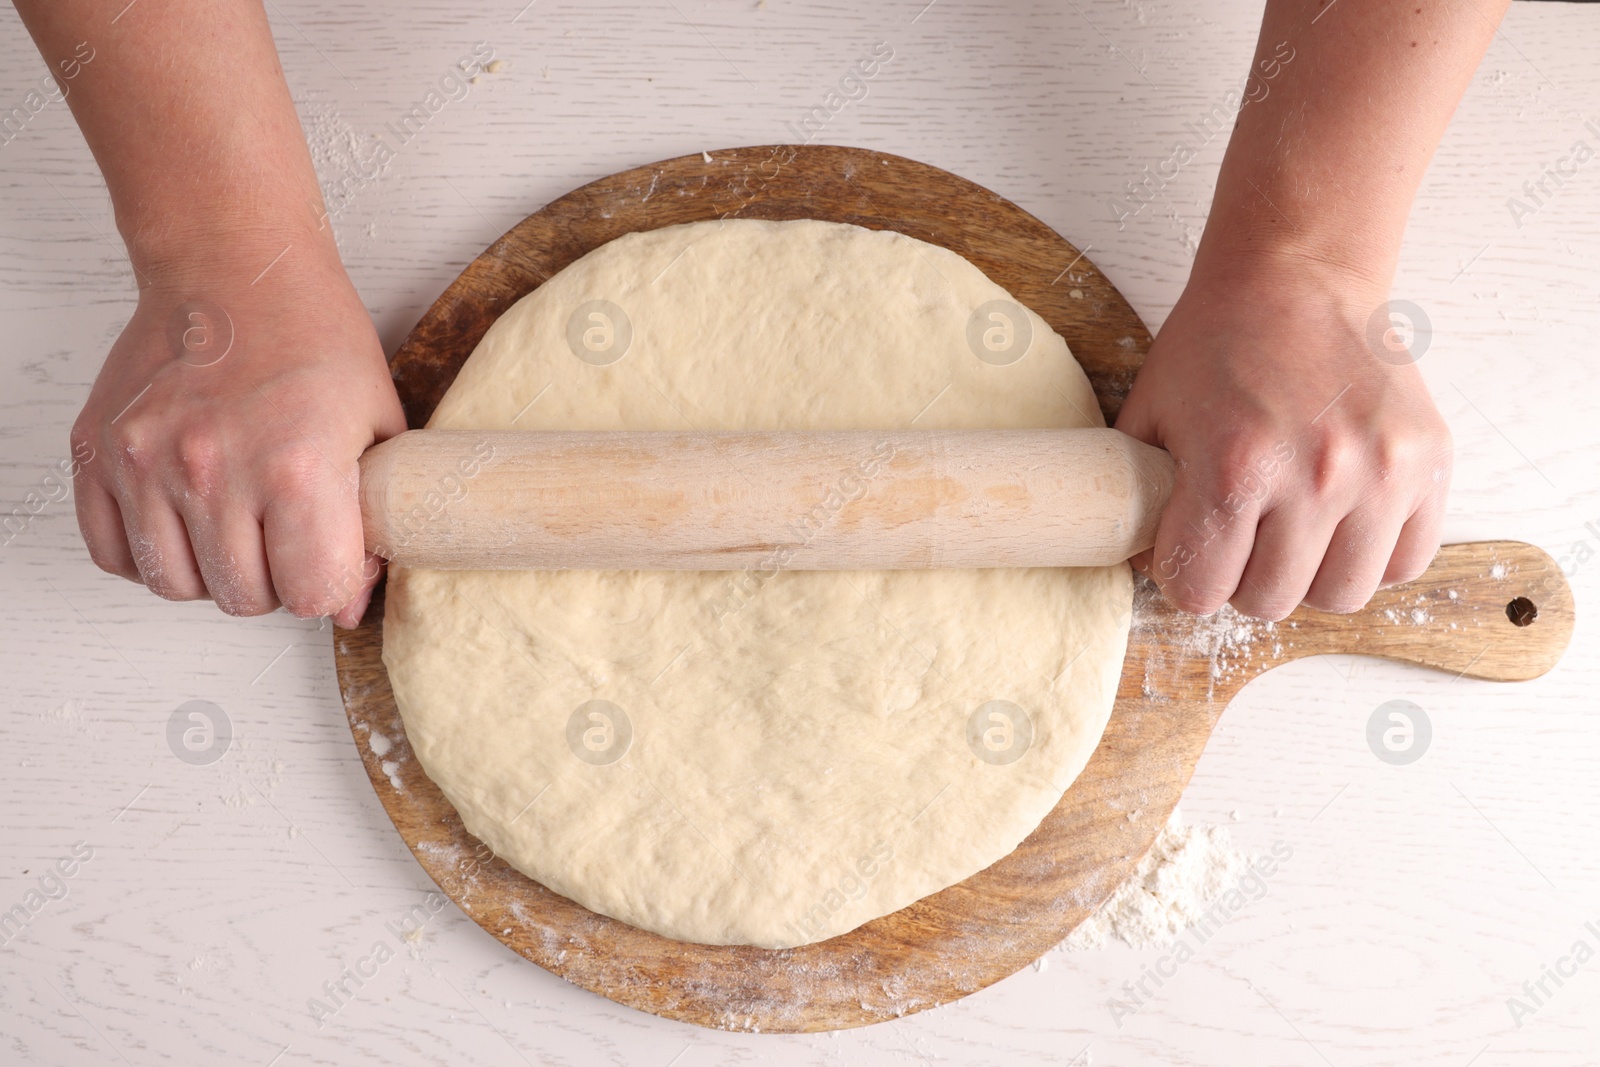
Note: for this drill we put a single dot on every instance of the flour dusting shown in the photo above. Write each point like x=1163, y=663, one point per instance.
x=1186, y=869
x=335, y=144
x=1227, y=640
x=69, y=716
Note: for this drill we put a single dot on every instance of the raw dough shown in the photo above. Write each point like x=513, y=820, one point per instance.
x=764, y=759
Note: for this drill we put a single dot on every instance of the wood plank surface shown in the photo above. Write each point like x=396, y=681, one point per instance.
x=222, y=898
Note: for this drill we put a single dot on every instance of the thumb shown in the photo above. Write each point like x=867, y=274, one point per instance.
x=1133, y=421
x=391, y=422
x=1137, y=421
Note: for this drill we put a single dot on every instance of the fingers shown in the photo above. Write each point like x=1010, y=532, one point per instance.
x=100, y=519
x=231, y=550
x=1355, y=562
x=304, y=552
x=1417, y=544
x=314, y=543
x=1202, y=545
x=1298, y=559
x=349, y=616
x=1131, y=422
x=159, y=542
x=1291, y=545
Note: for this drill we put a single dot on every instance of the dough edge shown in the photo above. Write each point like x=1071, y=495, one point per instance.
x=441, y=625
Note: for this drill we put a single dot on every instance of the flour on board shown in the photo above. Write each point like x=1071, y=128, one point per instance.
x=1186, y=869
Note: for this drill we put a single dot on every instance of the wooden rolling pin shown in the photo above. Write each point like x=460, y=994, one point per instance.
x=837, y=500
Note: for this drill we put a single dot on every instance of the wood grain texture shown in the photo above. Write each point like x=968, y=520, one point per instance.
x=728, y=501
x=1179, y=673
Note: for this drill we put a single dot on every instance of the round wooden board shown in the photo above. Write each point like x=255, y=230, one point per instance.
x=1179, y=673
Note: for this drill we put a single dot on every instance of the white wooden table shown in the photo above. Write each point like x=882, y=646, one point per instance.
x=219, y=898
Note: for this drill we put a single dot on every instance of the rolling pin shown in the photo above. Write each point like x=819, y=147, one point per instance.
x=832, y=500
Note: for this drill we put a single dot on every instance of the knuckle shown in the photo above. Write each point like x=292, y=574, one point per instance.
x=1334, y=461
x=1235, y=473
x=81, y=441
x=293, y=469
x=200, y=459
x=82, y=434
x=1245, y=473
x=133, y=445
x=1232, y=488
x=1394, y=454
x=1413, y=456
x=1239, y=450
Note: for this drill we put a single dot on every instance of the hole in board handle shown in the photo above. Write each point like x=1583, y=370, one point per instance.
x=1521, y=611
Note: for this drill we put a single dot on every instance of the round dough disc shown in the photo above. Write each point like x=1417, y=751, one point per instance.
x=759, y=758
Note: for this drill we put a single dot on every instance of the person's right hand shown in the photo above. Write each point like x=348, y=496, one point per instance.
x=1309, y=469
x=230, y=472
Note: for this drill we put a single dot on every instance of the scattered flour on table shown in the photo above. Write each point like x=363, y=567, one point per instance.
x=349, y=169
x=334, y=143
x=69, y=717
x=1187, y=868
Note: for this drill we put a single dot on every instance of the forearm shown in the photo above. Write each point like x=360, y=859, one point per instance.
x=1330, y=147
x=187, y=113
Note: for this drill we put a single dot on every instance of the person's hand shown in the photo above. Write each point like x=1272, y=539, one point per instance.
x=224, y=431
x=1309, y=469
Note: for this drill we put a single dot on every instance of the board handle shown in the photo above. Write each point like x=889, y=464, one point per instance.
x=1498, y=610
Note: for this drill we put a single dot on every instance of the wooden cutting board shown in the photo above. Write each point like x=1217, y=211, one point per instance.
x=1180, y=671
